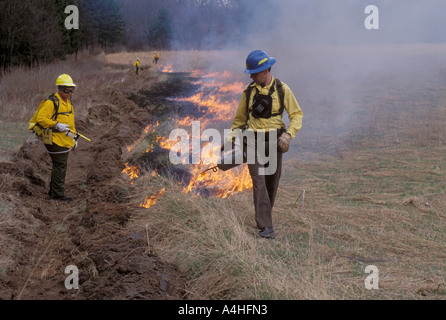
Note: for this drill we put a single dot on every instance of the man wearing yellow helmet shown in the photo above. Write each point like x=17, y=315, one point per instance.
x=137, y=65
x=58, y=115
x=156, y=57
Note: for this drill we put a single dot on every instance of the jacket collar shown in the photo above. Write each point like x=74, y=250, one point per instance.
x=258, y=86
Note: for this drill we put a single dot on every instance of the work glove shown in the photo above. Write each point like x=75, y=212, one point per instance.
x=61, y=127
x=284, y=142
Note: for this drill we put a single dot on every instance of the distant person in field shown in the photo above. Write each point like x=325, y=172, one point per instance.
x=62, y=141
x=137, y=66
x=261, y=109
x=156, y=57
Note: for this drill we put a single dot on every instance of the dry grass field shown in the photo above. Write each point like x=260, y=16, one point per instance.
x=364, y=183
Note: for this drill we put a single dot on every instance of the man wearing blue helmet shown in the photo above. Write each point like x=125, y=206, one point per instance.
x=260, y=110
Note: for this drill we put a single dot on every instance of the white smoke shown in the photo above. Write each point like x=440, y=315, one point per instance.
x=337, y=68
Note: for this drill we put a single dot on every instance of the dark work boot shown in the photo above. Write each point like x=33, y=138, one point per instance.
x=268, y=232
x=63, y=198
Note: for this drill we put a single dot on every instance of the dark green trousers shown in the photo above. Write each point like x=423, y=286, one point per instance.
x=59, y=157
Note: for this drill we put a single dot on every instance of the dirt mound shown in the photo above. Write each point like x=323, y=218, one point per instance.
x=40, y=238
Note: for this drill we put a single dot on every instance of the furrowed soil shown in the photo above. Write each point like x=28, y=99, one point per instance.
x=40, y=238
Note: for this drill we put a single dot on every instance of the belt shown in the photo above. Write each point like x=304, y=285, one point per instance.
x=267, y=133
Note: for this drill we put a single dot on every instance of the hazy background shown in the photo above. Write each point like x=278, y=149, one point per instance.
x=346, y=78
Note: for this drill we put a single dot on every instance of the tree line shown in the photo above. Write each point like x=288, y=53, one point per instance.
x=33, y=31
x=187, y=24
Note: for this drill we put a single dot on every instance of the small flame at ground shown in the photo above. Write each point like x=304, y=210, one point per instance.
x=132, y=171
x=147, y=130
x=166, y=69
x=150, y=201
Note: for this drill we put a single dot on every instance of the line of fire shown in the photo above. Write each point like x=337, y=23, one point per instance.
x=213, y=103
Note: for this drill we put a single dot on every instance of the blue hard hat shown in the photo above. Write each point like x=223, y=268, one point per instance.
x=258, y=61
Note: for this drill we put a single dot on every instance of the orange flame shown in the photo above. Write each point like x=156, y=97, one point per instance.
x=221, y=110
x=187, y=122
x=167, y=69
x=150, y=201
x=132, y=171
x=220, y=104
x=235, y=87
x=148, y=129
x=218, y=99
x=228, y=182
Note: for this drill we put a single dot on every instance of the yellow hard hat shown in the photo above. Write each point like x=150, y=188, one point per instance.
x=65, y=80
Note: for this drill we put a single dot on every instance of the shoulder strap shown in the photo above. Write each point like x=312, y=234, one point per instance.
x=281, y=93
x=56, y=104
x=247, y=93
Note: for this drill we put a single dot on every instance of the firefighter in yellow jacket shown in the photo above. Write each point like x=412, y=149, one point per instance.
x=260, y=110
x=156, y=57
x=137, y=65
x=62, y=141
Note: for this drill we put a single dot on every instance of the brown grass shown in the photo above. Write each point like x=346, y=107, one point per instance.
x=354, y=214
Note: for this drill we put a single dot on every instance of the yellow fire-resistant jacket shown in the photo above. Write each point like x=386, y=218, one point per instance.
x=295, y=114
x=44, y=118
x=136, y=64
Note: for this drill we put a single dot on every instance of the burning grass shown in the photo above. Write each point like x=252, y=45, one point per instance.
x=207, y=99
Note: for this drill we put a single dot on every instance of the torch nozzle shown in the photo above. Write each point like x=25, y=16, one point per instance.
x=215, y=169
